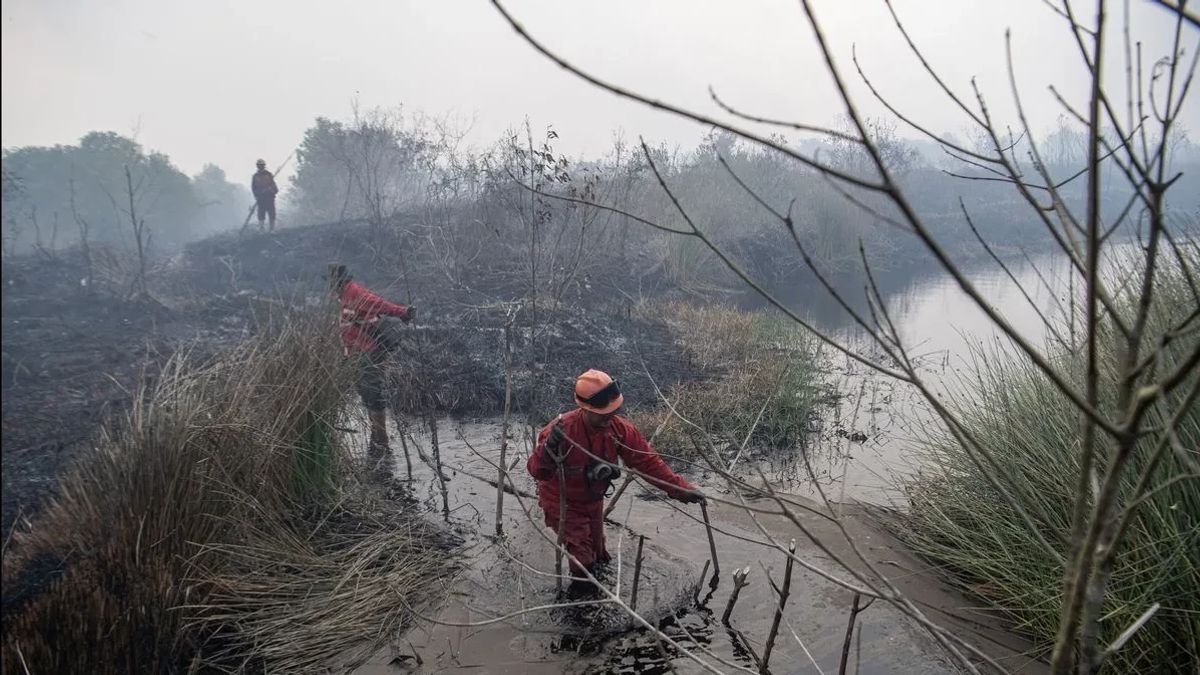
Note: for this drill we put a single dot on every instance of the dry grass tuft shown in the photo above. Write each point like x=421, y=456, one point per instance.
x=185, y=537
x=761, y=380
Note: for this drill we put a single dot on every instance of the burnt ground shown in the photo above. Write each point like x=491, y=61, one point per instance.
x=70, y=360
x=72, y=355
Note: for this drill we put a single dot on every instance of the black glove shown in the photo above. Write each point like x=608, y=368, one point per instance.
x=692, y=497
x=410, y=313
x=556, y=441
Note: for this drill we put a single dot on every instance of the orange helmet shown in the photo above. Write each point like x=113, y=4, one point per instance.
x=597, y=392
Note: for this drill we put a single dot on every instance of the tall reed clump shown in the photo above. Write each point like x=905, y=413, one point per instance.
x=760, y=382
x=956, y=520
x=222, y=496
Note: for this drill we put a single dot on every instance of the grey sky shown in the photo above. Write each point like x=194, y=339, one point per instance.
x=226, y=81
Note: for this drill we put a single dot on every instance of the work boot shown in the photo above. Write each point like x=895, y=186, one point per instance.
x=379, y=436
x=601, y=567
x=582, y=589
x=378, y=447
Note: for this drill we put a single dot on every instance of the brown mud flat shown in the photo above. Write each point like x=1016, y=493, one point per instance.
x=512, y=574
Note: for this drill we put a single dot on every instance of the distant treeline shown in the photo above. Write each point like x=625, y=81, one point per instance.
x=54, y=196
x=396, y=171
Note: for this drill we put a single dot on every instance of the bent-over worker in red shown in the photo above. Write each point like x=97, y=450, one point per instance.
x=595, y=427
x=358, y=323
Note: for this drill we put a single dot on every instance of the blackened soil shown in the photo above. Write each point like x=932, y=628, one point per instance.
x=72, y=354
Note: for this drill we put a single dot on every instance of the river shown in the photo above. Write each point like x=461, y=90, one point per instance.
x=869, y=439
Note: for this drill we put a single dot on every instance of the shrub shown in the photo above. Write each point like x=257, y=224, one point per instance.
x=957, y=521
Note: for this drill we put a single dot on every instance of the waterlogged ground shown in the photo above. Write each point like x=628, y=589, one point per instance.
x=513, y=574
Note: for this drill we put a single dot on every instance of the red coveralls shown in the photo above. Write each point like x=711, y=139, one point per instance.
x=361, y=310
x=585, y=503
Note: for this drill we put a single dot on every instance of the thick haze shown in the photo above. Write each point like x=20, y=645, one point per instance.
x=227, y=81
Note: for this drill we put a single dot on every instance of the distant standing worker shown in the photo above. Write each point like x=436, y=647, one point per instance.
x=361, y=338
x=586, y=443
x=264, y=189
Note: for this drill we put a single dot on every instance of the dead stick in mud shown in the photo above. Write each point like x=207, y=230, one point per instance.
x=504, y=426
x=407, y=456
x=637, y=572
x=855, y=610
x=509, y=488
x=738, y=638
x=437, y=460
x=739, y=582
x=562, y=525
x=783, y=597
x=712, y=546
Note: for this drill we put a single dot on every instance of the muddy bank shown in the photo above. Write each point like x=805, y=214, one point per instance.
x=510, y=575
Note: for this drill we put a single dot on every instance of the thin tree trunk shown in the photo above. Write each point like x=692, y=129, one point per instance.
x=637, y=572
x=139, y=229
x=562, y=525
x=501, y=467
x=437, y=461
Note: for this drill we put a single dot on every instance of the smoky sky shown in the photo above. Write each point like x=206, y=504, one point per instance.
x=227, y=81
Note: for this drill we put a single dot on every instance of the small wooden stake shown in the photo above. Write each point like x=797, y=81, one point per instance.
x=407, y=457
x=637, y=572
x=437, y=460
x=739, y=581
x=855, y=610
x=500, y=477
x=783, y=597
x=712, y=546
x=562, y=525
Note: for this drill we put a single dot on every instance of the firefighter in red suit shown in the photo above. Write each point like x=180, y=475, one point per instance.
x=359, y=327
x=587, y=443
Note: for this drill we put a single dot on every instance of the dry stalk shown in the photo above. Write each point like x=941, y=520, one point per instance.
x=712, y=546
x=855, y=609
x=739, y=581
x=561, y=544
x=508, y=326
x=783, y=598
x=637, y=572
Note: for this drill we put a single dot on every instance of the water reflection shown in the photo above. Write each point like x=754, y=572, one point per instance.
x=866, y=437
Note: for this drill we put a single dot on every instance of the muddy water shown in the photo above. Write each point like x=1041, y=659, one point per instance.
x=513, y=573
x=866, y=440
